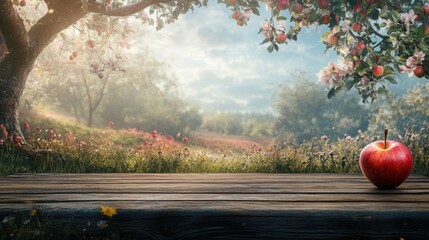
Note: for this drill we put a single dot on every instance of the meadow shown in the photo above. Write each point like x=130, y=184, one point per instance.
x=65, y=147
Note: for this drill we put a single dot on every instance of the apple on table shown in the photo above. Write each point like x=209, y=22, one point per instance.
x=386, y=164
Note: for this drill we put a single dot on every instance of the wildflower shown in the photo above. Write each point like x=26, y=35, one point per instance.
x=18, y=141
x=185, y=139
x=170, y=138
x=33, y=212
x=178, y=135
x=108, y=211
x=8, y=219
x=26, y=126
x=324, y=137
x=154, y=134
x=348, y=138
x=102, y=224
x=111, y=124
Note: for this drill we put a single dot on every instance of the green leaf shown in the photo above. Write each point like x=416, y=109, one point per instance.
x=255, y=11
x=391, y=79
x=270, y=48
x=382, y=91
x=331, y=93
x=276, y=47
x=266, y=40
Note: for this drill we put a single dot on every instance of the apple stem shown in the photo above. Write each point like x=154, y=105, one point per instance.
x=385, y=137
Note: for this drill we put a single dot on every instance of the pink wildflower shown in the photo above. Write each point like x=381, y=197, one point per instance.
x=26, y=126
x=154, y=134
x=185, y=139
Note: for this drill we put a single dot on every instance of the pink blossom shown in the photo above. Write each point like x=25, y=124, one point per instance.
x=346, y=25
x=408, y=18
x=185, y=139
x=364, y=80
x=26, y=126
x=266, y=29
x=111, y=124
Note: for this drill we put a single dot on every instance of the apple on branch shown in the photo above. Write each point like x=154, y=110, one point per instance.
x=386, y=164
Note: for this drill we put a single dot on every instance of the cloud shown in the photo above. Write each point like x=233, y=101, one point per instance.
x=221, y=66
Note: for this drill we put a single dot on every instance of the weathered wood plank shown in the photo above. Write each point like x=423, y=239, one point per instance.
x=228, y=206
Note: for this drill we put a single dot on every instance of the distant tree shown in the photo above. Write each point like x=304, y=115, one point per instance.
x=156, y=102
x=304, y=112
x=234, y=123
x=404, y=112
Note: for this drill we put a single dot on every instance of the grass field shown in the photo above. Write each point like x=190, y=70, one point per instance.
x=72, y=148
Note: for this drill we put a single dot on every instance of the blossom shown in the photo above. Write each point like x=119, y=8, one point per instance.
x=412, y=62
x=111, y=124
x=282, y=25
x=333, y=74
x=185, y=139
x=346, y=25
x=108, y=211
x=266, y=29
x=364, y=80
x=388, y=24
x=408, y=18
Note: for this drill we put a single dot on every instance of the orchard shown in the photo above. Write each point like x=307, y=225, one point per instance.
x=375, y=40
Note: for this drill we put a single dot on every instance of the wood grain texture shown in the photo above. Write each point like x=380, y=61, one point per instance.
x=228, y=206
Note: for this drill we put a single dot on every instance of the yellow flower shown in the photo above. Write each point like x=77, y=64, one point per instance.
x=108, y=211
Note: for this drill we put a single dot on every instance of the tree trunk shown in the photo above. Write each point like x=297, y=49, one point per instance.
x=14, y=71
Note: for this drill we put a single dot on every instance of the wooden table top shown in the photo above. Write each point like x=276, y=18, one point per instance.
x=229, y=206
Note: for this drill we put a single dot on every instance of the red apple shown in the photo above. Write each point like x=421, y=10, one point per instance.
x=419, y=71
x=323, y=4
x=332, y=39
x=360, y=46
x=325, y=19
x=357, y=27
x=236, y=15
x=357, y=8
x=282, y=4
x=338, y=19
x=298, y=8
x=281, y=38
x=426, y=10
x=378, y=70
x=23, y=3
x=418, y=17
x=231, y=2
x=354, y=52
x=386, y=164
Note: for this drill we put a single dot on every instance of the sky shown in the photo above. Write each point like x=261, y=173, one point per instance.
x=221, y=66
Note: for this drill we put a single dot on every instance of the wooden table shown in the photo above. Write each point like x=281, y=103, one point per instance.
x=228, y=206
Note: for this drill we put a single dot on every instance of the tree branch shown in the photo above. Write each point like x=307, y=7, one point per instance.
x=12, y=27
x=61, y=15
x=125, y=10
